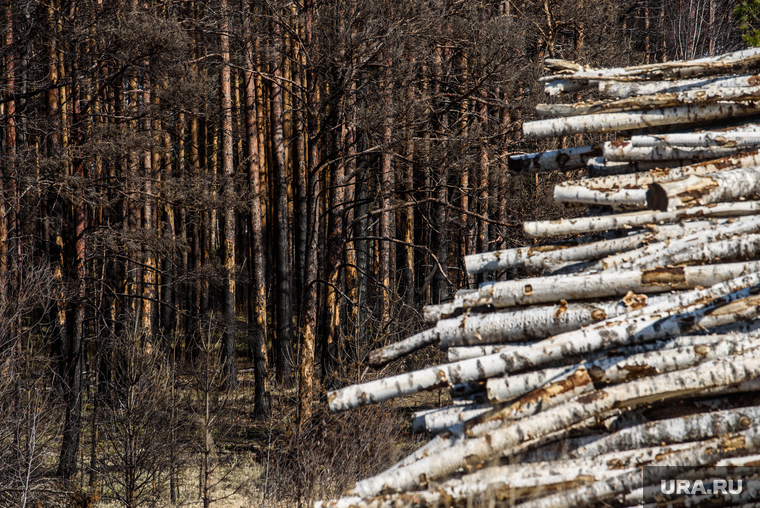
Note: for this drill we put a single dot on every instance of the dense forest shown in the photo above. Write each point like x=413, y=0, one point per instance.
x=195, y=191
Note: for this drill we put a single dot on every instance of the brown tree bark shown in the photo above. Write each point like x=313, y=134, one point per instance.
x=229, y=337
x=281, y=226
x=257, y=307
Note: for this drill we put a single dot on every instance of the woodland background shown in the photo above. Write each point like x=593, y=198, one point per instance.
x=212, y=211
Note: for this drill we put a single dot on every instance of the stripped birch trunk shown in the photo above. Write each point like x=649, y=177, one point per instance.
x=627, y=220
x=456, y=354
x=606, y=284
x=381, y=356
x=742, y=443
x=660, y=253
x=694, y=190
x=534, y=323
x=644, y=102
x=521, y=256
x=729, y=62
x=494, y=443
x=615, y=182
x=555, y=160
x=603, y=335
x=673, y=430
x=560, y=86
x=542, y=257
x=625, y=199
x=625, y=151
x=742, y=247
x=622, y=89
x=703, y=139
x=609, y=122
x=598, y=167
x=628, y=364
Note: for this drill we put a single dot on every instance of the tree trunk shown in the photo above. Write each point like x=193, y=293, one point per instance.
x=314, y=210
x=257, y=306
x=229, y=338
x=284, y=349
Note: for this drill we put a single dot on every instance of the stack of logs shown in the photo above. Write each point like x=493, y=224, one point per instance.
x=637, y=342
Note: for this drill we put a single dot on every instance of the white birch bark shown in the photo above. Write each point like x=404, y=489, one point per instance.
x=466, y=352
x=738, y=139
x=629, y=220
x=656, y=359
x=643, y=102
x=626, y=181
x=522, y=256
x=493, y=444
x=603, y=335
x=708, y=453
x=622, y=89
x=560, y=86
x=610, y=122
x=742, y=247
x=608, y=284
x=661, y=253
x=543, y=257
x=695, y=190
x=380, y=357
x=456, y=354
x=440, y=419
x=729, y=62
x=625, y=151
x=598, y=167
x=696, y=427
x=625, y=199
x=535, y=323
x=555, y=160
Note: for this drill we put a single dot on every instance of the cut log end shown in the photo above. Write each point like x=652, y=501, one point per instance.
x=657, y=198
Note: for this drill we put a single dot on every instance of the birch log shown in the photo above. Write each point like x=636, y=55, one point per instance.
x=729, y=62
x=625, y=151
x=694, y=190
x=635, y=199
x=665, y=253
x=603, y=335
x=622, y=89
x=543, y=257
x=644, y=102
x=696, y=427
x=456, y=354
x=560, y=86
x=627, y=181
x=742, y=247
x=488, y=447
x=384, y=355
x=466, y=352
x=522, y=256
x=628, y=220
x=618, y=369
x=610, y=122
x=555, y=160
x=710, y=452
x=739, y=139
x=598, y=167
x=607, y=284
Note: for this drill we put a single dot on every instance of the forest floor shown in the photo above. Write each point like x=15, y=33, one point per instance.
x=268, y=463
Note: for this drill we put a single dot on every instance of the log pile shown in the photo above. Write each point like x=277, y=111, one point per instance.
x=637, y=341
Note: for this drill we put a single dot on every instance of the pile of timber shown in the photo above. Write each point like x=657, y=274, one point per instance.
x=636, y=343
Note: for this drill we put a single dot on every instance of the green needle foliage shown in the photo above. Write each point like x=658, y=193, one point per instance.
x=747, y=14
